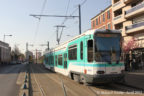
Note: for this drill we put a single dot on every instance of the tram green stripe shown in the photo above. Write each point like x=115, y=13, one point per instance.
x=100, y=65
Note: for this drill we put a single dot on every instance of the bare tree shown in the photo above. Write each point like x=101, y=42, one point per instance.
x=15, y=53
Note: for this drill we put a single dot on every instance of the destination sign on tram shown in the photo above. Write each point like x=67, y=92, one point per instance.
x=106, y=35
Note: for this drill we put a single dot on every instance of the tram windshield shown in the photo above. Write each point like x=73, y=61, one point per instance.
x=107, y=48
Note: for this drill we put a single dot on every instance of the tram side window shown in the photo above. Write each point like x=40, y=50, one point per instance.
x=65, y=60
x=72, y=52
x=60, y=59
x=56, y=60
x=90, y=50
x=81, y=50
x=52, y=59
x=47, y=60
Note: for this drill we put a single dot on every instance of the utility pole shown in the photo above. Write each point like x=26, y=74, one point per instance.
x=79, y=19
x=26, y=46
x=57, y=36
x=37, y=54
x=46, y=45
x=62, y=16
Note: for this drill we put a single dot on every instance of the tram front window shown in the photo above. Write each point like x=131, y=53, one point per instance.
x=107, y=49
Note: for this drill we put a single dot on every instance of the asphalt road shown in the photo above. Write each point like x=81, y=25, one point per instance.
x=8, y=78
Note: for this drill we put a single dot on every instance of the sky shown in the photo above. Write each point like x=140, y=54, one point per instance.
x=15, y=20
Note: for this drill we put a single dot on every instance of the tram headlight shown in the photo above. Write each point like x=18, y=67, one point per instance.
x=100, y=72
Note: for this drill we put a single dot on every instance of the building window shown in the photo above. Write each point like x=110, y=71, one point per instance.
x=81, y=50
x=97, y=21
x=108, y=14
x=60, y=59
x=93, y=24
x=103, y=17
x=109, y=26
x=72, y=52
x=90, y=50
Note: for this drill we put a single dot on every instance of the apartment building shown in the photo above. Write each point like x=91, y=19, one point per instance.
x=103, y=20
x=128, y=16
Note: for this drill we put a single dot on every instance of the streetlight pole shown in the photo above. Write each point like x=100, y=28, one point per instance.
x=5, y=36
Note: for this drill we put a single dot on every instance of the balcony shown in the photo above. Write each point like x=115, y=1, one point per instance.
x=115, y=18
x=138, y=9
x=119, y=19
x=128, y=1
x=135, y=27
x=118, y=5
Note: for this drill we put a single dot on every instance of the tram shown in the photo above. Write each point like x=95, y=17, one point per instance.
x=92, y=57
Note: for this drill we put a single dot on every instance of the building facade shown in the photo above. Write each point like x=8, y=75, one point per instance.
x=128, y=16
x=103, y=20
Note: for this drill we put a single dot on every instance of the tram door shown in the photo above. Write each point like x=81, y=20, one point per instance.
x=81, y=53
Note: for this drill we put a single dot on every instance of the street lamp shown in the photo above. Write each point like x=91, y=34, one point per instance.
x=5, y=36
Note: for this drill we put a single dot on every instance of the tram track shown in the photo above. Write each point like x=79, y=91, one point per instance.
x=69, y=87
x=58, y=81
x=96, y=94
x=38, y=85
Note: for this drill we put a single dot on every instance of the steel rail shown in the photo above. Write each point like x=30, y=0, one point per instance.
x=39, y=86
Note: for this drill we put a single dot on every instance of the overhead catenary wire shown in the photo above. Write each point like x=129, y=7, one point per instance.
x=39, y=19
x=71, y=13
x=83, y=2
x=64, y=19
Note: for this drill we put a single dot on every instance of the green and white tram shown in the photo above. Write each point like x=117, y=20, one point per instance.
x=92, y=57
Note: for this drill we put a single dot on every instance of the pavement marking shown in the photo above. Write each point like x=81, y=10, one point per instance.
x=39, y=86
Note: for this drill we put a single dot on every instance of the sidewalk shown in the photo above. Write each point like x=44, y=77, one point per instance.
x=135, y=78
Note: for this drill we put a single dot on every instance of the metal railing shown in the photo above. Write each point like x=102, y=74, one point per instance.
x=119, y=2
x=134, y=26
x=137, y=7
x=115, y=18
